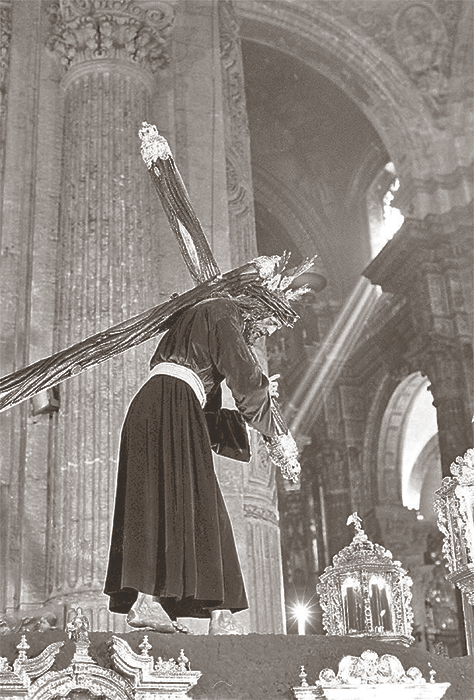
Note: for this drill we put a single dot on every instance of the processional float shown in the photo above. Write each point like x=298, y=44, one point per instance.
x=209, y=281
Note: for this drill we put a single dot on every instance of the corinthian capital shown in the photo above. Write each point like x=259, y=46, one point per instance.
x=126, y=30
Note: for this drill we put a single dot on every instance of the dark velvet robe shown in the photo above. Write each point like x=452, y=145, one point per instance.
x=172, y=535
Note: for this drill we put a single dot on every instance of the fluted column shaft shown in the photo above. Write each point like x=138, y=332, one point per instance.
x=101, y=270
x=107, y=271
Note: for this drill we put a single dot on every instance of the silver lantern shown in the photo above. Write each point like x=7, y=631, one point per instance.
x=365, y=593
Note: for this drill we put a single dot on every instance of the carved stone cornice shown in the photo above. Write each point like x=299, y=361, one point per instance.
x=440, y=239
x=443, y=181
x=111, y=30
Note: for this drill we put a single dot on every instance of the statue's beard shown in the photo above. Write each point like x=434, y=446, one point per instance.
x=253, y=331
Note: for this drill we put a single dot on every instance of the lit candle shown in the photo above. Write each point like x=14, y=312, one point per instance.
x=301, y=614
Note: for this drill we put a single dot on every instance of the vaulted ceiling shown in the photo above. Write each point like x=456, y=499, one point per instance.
x=314, y=154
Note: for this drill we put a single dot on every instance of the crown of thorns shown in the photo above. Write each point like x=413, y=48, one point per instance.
x=271, y=294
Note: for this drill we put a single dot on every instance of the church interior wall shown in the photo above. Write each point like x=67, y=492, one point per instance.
x=415, y=123
x=392, y=99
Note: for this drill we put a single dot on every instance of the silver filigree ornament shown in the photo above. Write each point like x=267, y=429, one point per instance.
x=358, y=674
x=369, y=676
x=133, y=675
x=172, y=676
x=283, y=451
x=365, y=593
x=267, y=266
x=463, y=468
x=153, y=146
x=455, y=513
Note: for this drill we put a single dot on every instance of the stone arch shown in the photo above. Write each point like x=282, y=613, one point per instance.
x=315, y=151
x=381, y=398
x=426, y=477
x=362, y=68
x=298, y=216
x=397, y=433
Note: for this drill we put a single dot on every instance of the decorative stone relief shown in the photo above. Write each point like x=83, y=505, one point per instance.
x=420, y=35
x=262, y=470
x=107, y=29
x=260, y=512
x=435, y=356
x=39, y=622
x=237, y=137
x=422, y=46
x=231, y=60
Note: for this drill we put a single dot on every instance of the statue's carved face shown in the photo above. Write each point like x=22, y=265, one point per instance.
x=268, y=325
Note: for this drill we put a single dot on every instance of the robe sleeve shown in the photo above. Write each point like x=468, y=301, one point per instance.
x=227, y=429
x=248, y=384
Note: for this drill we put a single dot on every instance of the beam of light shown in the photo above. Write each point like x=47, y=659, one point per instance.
x=328, y=362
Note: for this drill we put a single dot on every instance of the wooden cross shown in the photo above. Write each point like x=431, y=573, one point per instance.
x=197, y=254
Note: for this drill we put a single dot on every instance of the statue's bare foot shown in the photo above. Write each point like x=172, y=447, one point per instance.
x=147, y=613
x=181, y=628
x=223, y=622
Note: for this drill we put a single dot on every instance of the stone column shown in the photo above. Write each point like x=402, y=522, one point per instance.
x=5, y=39
x=259, y=529
x=429, y=263
x=440, y=359
x=440, y=304
x=212, y=150
x=12, y=325
x=108, y=266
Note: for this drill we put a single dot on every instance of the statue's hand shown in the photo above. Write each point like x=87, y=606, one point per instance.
x=273, y=388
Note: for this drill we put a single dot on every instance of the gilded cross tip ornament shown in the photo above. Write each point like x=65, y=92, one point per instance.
x=153, y=146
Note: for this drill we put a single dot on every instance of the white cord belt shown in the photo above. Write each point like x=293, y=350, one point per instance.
x=186, y=374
